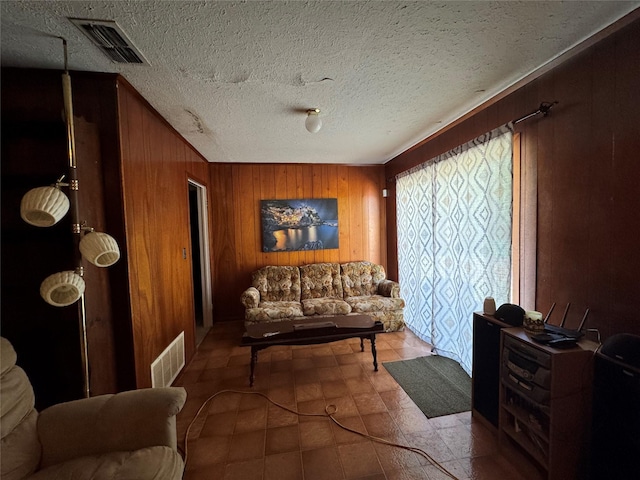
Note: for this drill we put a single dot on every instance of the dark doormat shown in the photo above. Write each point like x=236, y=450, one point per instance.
x=437, y=385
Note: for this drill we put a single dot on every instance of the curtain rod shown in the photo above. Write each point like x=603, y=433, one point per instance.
x=544, y=109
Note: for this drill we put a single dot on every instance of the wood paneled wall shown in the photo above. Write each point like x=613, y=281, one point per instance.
x=236, y=191
x=586, y=158
x=156, y=166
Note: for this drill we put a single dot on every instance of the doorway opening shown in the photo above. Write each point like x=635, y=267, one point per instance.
x=201, y=271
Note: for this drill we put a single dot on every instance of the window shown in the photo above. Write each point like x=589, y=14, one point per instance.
x=455, y=240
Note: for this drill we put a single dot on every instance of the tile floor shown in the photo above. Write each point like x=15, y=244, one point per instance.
x=245, y=437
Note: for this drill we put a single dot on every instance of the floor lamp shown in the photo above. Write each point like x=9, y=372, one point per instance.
x=46, y=206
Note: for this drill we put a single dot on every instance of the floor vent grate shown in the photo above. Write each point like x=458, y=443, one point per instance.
x=169, y=363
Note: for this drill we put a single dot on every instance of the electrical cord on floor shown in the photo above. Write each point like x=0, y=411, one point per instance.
x=330, y=411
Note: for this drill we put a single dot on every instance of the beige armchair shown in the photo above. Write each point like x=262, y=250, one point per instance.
x=129, y=435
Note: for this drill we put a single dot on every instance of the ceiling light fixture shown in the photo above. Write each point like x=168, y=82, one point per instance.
x=313, y=123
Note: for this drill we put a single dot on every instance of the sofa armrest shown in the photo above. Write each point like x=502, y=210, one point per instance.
x=389, y=288
x=250, y=298
x=125, y=421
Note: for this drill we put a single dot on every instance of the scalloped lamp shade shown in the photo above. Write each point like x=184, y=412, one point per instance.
x=44, y=206
x=99, y=248
x=62, y=289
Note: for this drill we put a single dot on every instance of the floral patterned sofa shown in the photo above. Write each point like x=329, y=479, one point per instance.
x=323, y=289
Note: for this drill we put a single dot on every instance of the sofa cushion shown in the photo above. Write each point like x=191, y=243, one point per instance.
x=268, y=311
x=20, y=450
x=320, y=280
x=393, y=320
x=8, y=356
x=277, y=283
x=151, y=463
x=361, y=278
x=250, y=298
x=374, y=303
x=126, y=421
x=389, y=288
x=17, y=400
x=325, y=306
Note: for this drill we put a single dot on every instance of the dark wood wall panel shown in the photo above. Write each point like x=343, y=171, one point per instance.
x=236, y=240
x=224, y=237
x=586, y=163
x=156, y=165
x=622, y=196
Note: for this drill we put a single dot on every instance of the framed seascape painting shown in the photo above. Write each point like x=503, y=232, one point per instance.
x=293, y=225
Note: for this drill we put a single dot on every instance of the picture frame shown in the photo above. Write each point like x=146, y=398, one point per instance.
x=299, y=224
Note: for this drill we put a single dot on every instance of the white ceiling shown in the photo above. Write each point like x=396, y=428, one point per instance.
x=235, y=78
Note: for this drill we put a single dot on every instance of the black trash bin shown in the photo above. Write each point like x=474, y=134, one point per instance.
x=615, y=439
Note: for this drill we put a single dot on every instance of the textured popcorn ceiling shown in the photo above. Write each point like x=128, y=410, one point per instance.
x=235, y=78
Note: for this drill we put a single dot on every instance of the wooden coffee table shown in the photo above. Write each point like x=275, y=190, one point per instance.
x=311, y=331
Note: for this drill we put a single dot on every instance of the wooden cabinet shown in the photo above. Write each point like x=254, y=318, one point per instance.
x=545, y=404
x=485, y=373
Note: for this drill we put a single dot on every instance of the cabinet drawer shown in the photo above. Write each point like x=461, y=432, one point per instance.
x=530, y=353
x=528, y=389
x=526, y=368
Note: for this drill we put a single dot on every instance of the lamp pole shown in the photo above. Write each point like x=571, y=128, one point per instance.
x=75, y=215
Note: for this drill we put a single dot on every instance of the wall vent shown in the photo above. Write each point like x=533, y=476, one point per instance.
x=109, y=37
x=166, y=367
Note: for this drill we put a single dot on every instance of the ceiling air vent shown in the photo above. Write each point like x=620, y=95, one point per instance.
x=109, y=37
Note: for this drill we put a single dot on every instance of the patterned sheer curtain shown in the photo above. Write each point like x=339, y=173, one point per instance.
x=454, y=240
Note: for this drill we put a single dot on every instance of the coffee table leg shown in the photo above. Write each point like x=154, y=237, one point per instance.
x=362, y=344
x=373, y=352
x=254, y=359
